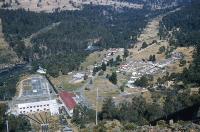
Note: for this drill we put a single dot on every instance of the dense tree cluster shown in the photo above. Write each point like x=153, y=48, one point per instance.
x=161, y=50
x=144, y=45
x=83, y=115
x=137, y=111
x=61, y=63
x=103, y=66
x=185, y=26
x=111, y=27
x=126, y=54
x=152, y=58
x=16, y=123
x=8, y=87
x=142, y=82
x=113, y=78
x=140, y=112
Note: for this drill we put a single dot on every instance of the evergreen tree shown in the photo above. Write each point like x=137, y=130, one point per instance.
x=83, y=115
x=152, y=58
x=103, y=66
x=108, y=109
x=144, y=45
x=126, y=53
x=111, y=62
x=118, y=58
x=142, y=82
x=113, y=78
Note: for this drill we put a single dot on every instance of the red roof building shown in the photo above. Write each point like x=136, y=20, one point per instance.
x=68, y=100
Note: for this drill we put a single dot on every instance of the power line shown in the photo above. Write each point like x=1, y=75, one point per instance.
x=37, y=119
x=41, y=118
x=44, y=126
x=97, y=106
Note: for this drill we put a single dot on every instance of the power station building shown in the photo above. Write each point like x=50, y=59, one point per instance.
x=35, y=95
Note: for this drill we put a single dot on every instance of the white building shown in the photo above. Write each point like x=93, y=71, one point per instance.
x=33, y=107
x=41, y=70
x=35, y=95
x=78, y=76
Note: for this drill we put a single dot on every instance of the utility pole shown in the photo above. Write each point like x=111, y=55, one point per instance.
x=7, y=125
x=97, y=106
x=45, y=127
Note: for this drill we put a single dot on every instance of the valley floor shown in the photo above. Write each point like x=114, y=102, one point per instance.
x=138, y=57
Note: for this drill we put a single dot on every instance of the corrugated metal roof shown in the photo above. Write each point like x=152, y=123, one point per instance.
x=68, y=100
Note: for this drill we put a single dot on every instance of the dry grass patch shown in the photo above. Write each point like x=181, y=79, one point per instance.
x=93, y=58
x=19, y=85
x=106, y=89
x=150, y=32
x=150, y=50
x=187, y=52
x=63, y=81
x=188, y=56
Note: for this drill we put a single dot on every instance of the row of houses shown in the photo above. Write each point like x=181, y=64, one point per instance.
x=140, y=68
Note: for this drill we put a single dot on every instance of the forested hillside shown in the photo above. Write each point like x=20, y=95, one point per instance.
x=184, y=25
x=8, y=58
x=183, y=28
x=55, y=49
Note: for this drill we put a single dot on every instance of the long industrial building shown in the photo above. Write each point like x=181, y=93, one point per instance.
x=69, y=101
x=35, y=95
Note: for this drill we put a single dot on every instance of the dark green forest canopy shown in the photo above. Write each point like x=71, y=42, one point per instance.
x=113, y=28
x=185, y=27
x=16, y=123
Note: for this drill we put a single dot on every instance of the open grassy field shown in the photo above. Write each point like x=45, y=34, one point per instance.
x=188, y=56
x=62, y=83
x=149, y=35
x=106, y=89
x=150, y=50
x=94, y=57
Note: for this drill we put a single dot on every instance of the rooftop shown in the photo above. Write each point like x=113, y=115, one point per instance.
x=33, y=89
x=68, y=99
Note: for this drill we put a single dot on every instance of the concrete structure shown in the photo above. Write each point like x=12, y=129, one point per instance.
x=67, y=129
x=142, y=68
x=35, y=95
x=77, y=78
x=48, y=106
x=41, y=70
